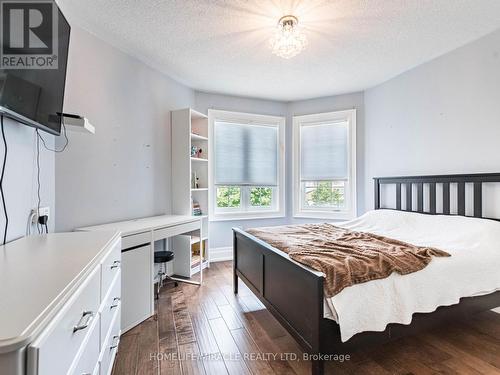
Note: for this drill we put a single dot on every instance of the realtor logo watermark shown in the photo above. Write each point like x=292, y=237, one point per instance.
x=29, y=34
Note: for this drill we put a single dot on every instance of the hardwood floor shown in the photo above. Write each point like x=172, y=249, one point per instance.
x=209, y=330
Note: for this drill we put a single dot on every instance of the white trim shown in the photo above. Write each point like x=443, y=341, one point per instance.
x=252, y=119
x=247, y=216
x=350, y=117
x=221, y=254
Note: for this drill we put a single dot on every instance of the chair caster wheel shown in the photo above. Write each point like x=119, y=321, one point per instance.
x=176, y=284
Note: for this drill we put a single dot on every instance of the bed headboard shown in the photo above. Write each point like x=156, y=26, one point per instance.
x=476, y=180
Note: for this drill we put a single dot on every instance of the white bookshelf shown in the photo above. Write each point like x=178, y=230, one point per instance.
x=190, y=128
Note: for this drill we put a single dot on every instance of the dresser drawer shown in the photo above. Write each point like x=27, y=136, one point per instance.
x=109, y=307
x=110, y=348
x=111, y=266
x=89, y=357
x=56, y=348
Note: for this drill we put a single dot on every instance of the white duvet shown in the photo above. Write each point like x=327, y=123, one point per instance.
x=473, y=269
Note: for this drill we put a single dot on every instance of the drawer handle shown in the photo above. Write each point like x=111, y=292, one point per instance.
x=115, y=264
x=84, y=321
x=116, y=302
x=115, y=343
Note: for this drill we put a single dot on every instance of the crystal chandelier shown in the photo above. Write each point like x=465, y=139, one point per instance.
x=288, y=41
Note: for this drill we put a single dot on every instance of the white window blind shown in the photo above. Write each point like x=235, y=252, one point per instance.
x=246, y=154
x=324, y=151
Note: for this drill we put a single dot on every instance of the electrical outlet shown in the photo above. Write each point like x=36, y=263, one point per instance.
x=44, y=211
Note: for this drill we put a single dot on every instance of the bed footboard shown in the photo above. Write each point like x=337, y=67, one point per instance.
x=291, y=292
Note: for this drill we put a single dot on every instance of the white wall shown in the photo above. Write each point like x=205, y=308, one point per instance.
x=123, y=171
x=20, y=179
x=220, y=231
x=439, y=118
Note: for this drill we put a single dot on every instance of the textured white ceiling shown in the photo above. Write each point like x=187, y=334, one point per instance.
x=222, y=45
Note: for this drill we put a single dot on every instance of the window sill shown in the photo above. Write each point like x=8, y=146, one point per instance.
x=252, y=216
x=324, y=215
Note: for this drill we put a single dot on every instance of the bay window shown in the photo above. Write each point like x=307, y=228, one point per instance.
x=247, y=167
x=324, y=165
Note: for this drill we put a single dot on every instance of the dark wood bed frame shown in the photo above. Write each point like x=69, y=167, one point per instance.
x=293, y=293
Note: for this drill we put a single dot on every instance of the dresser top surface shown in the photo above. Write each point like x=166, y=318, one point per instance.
x=38, y=274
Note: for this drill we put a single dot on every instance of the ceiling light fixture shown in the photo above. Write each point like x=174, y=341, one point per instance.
x=289, y=40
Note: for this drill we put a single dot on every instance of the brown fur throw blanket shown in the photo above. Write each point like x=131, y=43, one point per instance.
x=346, y=257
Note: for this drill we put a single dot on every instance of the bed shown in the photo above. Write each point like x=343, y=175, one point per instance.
x=402, y=305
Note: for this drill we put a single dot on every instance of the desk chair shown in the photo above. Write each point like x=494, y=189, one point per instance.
x=161, y=258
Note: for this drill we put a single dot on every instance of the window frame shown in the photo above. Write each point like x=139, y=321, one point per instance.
x=246, y=211
x=351, y=197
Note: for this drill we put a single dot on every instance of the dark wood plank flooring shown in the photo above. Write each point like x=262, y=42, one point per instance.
x=209, y=330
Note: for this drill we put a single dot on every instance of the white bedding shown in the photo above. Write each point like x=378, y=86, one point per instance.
x=473, y=269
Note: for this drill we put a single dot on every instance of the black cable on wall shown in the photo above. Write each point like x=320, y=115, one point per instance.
x=1, y=182
x=55, y=149
x=39, y=185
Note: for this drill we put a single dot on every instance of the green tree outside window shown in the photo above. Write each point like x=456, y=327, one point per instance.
x=228, y=196
x=325, y=194
x=261, y=196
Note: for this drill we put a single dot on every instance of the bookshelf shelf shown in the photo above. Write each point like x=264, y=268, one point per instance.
x=196, y=239
x=197, y=137
x=199, y=159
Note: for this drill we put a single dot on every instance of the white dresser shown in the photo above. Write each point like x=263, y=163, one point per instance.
x=60, y=304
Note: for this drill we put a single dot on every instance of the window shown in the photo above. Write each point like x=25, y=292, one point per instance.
x=247, y=167
x=324, y=165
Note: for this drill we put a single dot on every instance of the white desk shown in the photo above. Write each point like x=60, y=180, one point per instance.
x=138, y=238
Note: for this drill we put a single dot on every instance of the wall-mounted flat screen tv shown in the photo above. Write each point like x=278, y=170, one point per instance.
x=34, y=53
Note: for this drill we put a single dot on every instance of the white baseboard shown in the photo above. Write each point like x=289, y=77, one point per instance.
x=221, y=254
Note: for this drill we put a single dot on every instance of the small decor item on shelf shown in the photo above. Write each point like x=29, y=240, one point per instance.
x=197, y=183
x=196, y=209
x=194, y=181
x=196, y=152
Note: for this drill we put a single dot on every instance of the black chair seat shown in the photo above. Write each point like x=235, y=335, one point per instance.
x=163, y=256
